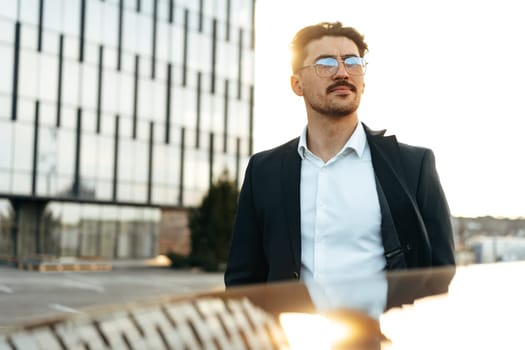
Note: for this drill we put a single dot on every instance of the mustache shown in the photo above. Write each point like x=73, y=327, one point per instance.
x=341, y=83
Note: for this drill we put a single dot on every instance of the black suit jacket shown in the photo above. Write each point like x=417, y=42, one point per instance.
x=416, y=226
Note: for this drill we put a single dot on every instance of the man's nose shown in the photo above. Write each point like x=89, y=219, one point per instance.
x=341, y=72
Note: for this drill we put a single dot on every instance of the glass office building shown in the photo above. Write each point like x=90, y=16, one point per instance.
x=112, y=111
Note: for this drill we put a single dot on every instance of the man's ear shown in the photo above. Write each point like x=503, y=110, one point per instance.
x=296, y=84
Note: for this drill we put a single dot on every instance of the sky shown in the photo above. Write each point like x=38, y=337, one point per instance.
x=448, y=75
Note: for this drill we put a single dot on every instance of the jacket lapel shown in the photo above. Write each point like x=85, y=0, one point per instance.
x=386, y=160
x=394, y=253
x=290, y=182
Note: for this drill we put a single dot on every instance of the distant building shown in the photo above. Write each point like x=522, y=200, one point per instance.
x=488, y=239
x=116, y=113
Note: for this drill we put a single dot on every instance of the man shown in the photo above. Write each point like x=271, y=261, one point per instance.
x=341, y=199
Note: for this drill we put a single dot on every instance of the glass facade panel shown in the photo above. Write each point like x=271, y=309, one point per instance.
x=91, y=55
x=71, y=48
x=126, y=129
x=143, y=131
x=175, y=44
x=105, y=158
x=107, y=122
x=89, y=87
x=129, y=25
x=104, y=190
x=6, y=151
x=110, y=89
x=9, y=9
x=128, y=64
x=144, y=36
x=160, y=160
x=88, y=157
x=28, y=73
x=5, y=107
x=89, y=121
x=145, y=98
x=140, y=162
x=48, y=113
x=125, y=96
x=23, y=148
x=28, y=37
x=70, y=83
x=247, y=66
x=147, y=7
x=71, y=17
x=158, y=98
x=139, y=192
x=124, y=191
x=7, y=31
x=163, y=11
x=110, y=57
x=47, y=82
x=109, y=26
x=159, y=195
x=53, y=15
x=6, y=69
x=21, y=182
x=47, y=160
x=95, y=21
x=197, y=170
x=163, y=32
x=50, y=43
x=5, y=181
x=66, y=153
x=26, y=111
x=173, y=167
x=126, y=160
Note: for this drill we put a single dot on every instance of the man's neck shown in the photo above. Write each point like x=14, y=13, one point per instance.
x=326, y=136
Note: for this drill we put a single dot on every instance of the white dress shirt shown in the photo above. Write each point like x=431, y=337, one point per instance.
x=340, y=213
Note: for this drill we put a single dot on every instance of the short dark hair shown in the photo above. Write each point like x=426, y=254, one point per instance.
x=317, y=31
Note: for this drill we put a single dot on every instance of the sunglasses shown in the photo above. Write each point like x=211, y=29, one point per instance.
x=328, y=66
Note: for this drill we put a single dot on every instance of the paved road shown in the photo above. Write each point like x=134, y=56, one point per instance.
x=29, y=295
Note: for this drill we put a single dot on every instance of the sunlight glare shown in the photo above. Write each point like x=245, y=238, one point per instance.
x=308, y=331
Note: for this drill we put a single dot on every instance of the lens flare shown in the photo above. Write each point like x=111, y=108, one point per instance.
x=310, y=331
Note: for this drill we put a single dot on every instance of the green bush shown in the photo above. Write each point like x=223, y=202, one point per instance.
x=211, y=225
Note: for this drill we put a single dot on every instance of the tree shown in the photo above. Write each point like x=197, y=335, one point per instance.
x=211, y=225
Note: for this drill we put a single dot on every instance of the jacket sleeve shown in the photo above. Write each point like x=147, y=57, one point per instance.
x=246, y=261
x=435, y=212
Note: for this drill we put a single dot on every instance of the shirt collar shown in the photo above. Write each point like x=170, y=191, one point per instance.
x=356, y=142
x=301, y=147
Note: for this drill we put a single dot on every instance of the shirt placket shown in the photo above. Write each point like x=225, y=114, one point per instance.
x=320, y=220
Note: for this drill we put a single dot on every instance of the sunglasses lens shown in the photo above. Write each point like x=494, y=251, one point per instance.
x=326, y=66
x=355, y=65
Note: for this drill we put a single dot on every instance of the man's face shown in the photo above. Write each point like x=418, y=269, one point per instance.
x=337, y=95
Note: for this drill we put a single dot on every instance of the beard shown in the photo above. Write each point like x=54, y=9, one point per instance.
x=333, y=111
x=336, y=110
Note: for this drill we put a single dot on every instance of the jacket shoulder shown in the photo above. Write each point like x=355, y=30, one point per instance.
x=412, y=153
x=406, y=150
